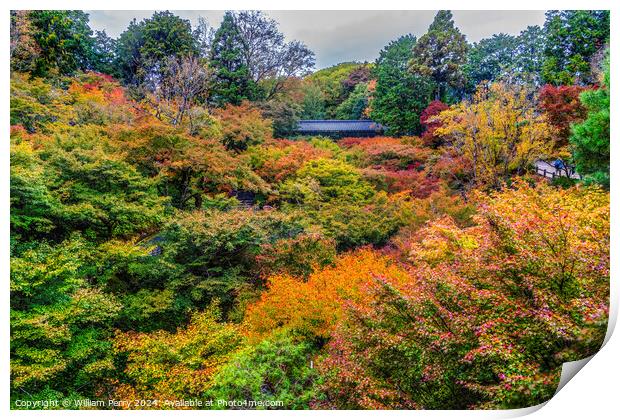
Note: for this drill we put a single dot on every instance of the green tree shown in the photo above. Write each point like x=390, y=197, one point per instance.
x=313, y=103
x=128, y=56
x=275, y=370
x=64, y=41
x=323, y=180
x=354, y=107
x=527, y=59
x=60, y=324
x=231, y=82
x=487, y=59
x=332, y=82
x=441, y=54
x=590, y=139
x=104, y=54
x=143, y=49
x=573, y=37
x=33, y=206
x=400, y=96
x=216, y=251
x=284, y=115
x=165, y=35
x=76, y=183
x=353, y=225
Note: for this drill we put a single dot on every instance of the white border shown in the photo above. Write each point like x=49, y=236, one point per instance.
x=594, y=391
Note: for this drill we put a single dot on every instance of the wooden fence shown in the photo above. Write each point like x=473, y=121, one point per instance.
x=548, y=171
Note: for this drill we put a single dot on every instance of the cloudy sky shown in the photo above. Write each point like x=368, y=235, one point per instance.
x=337, y=36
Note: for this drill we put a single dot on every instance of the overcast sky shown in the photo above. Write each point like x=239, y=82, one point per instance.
x=338, y=36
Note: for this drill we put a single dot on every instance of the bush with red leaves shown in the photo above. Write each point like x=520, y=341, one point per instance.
x=433, y=109
x=563, y=108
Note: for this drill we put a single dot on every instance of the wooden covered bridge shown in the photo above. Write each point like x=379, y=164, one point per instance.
x=339, y=128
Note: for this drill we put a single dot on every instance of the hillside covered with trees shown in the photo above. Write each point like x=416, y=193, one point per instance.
x=172, y=239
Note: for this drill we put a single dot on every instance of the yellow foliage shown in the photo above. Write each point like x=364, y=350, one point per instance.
x=498, y=131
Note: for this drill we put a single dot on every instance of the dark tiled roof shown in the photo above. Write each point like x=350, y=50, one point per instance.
x=338, y=125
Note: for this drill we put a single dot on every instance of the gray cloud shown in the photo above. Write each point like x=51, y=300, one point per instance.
x=348, y=35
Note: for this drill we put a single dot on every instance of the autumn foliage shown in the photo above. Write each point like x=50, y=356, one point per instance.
x=562, y=106
x=242, y=126
x=486, y=315
x=393, y=165
x=312, y=308
x=277, y=160
x=430, y=124
x=175, y=366
x=498, y=133
x=166, y=247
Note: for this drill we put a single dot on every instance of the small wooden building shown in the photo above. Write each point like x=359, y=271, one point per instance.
x=339, y=128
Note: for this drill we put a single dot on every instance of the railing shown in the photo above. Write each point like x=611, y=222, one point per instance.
x=545, y=173
x=556, y=173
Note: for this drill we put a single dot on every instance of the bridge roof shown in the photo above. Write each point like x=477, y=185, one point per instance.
x=338, y=125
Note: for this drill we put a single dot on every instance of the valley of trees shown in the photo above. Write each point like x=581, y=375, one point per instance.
x=430, y=268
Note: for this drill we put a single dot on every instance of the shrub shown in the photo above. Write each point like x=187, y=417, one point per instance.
x=391, y=153
x=172, y=366
x=276, y=370
x=299, y=256
x=326, y=180
x=36, y=105
x=278, y=160
x=430, y=124
x=242, y=126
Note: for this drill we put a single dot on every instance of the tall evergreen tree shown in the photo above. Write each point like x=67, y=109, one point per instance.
x=400, y=96
x=441, y=54
x=573, y=37
x=128, y=55
x=64, y=41
x=165, y=35
x=104, y=53
x=488, y=58
x=231, y=80
x=144, y=47
x=313, y=103
x=527, y=57
x=590, y=139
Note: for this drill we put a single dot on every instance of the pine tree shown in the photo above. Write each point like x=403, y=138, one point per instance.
x=441, y=54
x=64, y=41
x=488, y=59
x=590, y=139
x=104, y=54
x=144, y=48
x=573, y=38
x=231, y=81
x=400, y=96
